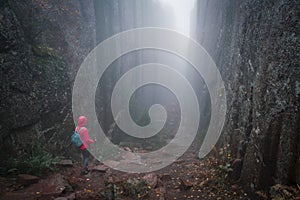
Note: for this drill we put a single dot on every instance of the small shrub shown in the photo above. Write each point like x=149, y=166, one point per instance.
x=124, y=190
x=226, y=160
x=36, y=162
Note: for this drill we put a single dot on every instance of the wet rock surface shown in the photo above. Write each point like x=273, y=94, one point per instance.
x=256, y=48
x=42, y=46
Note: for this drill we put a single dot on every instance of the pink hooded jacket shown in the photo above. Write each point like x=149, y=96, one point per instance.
x=84, y=135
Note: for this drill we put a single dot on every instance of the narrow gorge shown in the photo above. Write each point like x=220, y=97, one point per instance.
x=254, y=44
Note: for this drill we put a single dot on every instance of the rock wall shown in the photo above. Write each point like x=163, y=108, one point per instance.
x=255, y=44
x=42, y=45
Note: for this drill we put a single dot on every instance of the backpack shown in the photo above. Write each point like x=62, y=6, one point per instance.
x=75, y=138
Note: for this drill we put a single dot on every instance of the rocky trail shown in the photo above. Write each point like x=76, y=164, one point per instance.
x=186, y=178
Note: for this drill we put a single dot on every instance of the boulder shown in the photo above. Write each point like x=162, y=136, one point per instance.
x=186, y=184
x=236, y=169
x=53, y=186
x=65, y=163
x=100, y=168
x=151, y=179
x=61, y=198
x=26, y=179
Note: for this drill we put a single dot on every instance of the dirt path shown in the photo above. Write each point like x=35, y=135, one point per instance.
x=187, y=178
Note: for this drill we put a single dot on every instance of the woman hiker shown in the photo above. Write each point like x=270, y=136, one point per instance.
x=86, y=140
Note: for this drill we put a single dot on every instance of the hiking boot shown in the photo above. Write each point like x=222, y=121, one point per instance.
x=85, y=172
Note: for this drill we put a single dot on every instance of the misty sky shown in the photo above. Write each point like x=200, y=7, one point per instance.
x=182, y=10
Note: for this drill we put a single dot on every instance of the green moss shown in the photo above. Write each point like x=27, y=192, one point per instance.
x=43, y=51
x=50, y=65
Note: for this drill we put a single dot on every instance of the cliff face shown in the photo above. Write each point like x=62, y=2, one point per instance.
x=256, y=47
x=42, y=45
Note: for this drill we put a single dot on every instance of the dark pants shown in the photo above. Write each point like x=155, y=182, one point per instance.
x=85, y=159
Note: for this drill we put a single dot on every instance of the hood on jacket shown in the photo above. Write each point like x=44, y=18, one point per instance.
x=81, y=121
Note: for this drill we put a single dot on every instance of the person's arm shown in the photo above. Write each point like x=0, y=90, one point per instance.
x=87, y=138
